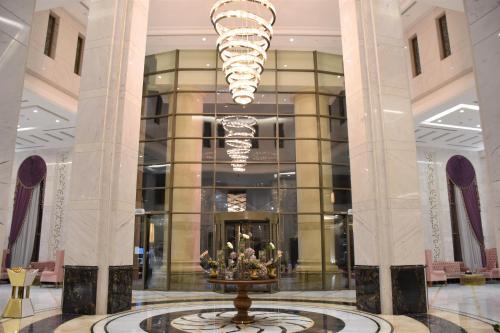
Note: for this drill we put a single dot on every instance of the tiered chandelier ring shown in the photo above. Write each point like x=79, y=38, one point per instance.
x=244, y=38
x=239, y=134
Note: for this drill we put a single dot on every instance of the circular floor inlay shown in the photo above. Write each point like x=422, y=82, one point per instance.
x=220, y=322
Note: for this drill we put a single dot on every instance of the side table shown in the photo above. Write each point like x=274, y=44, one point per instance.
x=19, y=305
x=472, y=279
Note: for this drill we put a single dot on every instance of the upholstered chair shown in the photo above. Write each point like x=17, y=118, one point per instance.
x=3, y=270
x=57, y=275
x=433, y=274
x=491, y=270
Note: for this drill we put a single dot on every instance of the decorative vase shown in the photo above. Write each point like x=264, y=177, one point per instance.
x=254, y=274
x=272, y=273
x=213, y=273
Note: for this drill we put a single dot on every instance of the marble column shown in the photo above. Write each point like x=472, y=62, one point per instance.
x=15, y=24
x=186, y=227
x=388, y=234
x=484, y=27
x=99, y=230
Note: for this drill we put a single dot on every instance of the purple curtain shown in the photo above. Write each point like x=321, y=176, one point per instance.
x=461, y=173
x=31, y=172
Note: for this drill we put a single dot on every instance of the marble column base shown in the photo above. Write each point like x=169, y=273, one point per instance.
x=409, y=291
x=119, y=289
x=368, y=288
x=80, y=290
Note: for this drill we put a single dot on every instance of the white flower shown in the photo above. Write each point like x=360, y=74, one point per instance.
x=245, y=236
x=229, y=245
x=272, y=245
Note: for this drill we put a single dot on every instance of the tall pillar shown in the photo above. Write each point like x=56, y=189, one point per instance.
x=388, y=234
x=100, y=227
x=14, y=36
x=484, y=27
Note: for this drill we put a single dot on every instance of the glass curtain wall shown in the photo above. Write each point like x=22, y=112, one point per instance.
x=298, y=166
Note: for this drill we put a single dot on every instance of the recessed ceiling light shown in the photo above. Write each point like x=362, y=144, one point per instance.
x=285, y=65
x=35, y=111
x=478, y=126
x=338, y=76
x=57, y=120
x=435, y=120
x=292, y=40
x=18, y=126
x=208, y=65
x=159, y=76
x=462, y=111
x=440, y=121
x=204, y=39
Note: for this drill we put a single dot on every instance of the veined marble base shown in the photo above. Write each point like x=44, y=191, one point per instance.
x=368, y=288
x=80, y=290
x=409, y=290
x=119, y=289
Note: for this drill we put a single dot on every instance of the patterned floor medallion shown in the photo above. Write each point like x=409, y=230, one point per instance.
x=220, y=322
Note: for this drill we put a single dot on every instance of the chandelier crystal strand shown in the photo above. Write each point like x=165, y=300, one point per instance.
x=244, y=38
x=239, y=132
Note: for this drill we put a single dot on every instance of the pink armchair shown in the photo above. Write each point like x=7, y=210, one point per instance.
x=491, y=270
x=3, y=269
x=55, y=276
x=433, y=274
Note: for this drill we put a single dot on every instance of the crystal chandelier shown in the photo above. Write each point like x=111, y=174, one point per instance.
x=239, y=134
x=245, y=29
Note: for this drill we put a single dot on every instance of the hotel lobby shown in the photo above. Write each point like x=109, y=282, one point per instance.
x=249, y=165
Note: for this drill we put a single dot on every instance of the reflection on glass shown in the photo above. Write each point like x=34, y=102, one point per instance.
x=296, y=82
x=330, y=62
x=154, y=152
x=156, y=84
x=336, y=251
x=337, y=152
x=330, y=84
x=156, y=106
x=256, y=175
x=153, y=176
x=159, y=62
x=152, y=200
x=155, y=128
x=197, y=59
x=157, y=251
x=196, y=81
x=295, y=60
x=264, y=200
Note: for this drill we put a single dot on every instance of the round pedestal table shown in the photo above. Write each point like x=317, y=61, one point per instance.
x=242, y=302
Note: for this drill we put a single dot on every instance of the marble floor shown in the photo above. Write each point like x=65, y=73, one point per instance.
x=454, y=309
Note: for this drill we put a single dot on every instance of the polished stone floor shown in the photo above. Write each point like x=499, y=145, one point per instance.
x=454, y=309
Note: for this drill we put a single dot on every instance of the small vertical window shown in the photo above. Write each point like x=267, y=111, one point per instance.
x=79, y=55
x=220, y=133
x=415, y=56
x=444, y=38
x=51, y=37
x=255, y=142
x=207, y=132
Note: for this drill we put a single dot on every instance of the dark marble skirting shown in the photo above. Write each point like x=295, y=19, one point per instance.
x=368, y=288
x=119, y=289
x=409, y=292
x=79, y=292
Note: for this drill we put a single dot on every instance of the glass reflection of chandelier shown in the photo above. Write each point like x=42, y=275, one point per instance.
x=239, y=134
x=244, y=37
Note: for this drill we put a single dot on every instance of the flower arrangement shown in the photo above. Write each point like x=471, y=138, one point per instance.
x=496, y=327
x=240, y=262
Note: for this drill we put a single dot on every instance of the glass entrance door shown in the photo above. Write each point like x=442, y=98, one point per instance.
x=259, y=231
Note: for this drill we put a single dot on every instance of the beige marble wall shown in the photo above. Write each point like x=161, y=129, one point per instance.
x=385, y=189
x=103, y=180
x=484, y=28
x=14, y=35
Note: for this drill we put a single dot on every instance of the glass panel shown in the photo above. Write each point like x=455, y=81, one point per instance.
x=256, y=199
x=154, y=152
x=158, y=84
x=330, y=62
x=196, y=81
x=265, y=127
x=159, y=62
x=196, y=102
x=330, y=84
x=295, y=60
x=337, y=200
x=336, y=106
x=299, y=151
x=298, y=104
x=255, y=175
x=138, y=272
x=157, y=251
x=185, y=271
x=333, y=129
x=152, y=200
x=191, y=200
x=336, y=176
x=336, y=252
x=191, y=150
x=191, y=126
x=303, y=200
x=267, y=82
x=193, y=175
x=301, y=261
x=271, y=60
x=335, y=152
x=263, y=150
x=153, y=176
x=155, y=128
x=264, y=103
x=197, y=59
x=286, y=104
x=287, y=176
x=156, y=105
x=296, y=82
x=306, y=127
